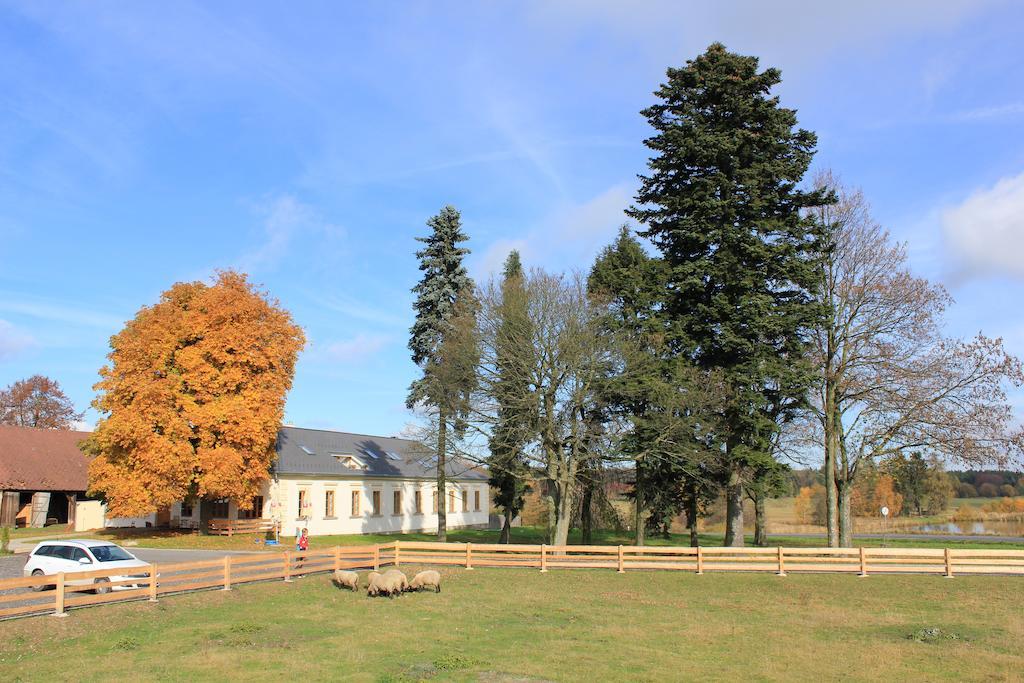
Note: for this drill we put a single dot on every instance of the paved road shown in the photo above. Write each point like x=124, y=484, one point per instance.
x=11, y=565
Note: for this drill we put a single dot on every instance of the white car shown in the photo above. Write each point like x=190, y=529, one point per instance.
x=54, y=557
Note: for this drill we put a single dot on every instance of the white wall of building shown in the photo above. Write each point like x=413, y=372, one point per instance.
x=281, y=501
x=128, y=522
x=89, y=515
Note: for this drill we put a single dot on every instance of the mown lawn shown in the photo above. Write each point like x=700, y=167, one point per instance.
x=166, y=539
x=503, y=624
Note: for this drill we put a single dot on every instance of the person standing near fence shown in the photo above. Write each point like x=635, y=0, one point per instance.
x=302, y=545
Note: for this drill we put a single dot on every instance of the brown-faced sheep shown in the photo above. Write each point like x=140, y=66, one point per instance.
x=346, y=579
x=426, y=579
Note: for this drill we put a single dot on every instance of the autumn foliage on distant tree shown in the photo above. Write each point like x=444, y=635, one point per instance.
x=193, y=398
x=37, y=402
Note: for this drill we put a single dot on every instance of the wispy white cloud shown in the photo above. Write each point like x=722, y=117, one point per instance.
x=801, y=32
x=283, y=218
x=13, y=341
x=58, y=312
x=569, y=236
x=985, y=232
x=357, y=349
x=997, y=111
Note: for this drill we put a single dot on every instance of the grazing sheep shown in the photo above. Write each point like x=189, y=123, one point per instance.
x=375, y=585
x=398, y=578
x=426, y=579
x=346, y=579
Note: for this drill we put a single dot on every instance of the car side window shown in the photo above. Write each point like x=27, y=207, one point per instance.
x=62, y=552
x=44, y=551
x=78, y=554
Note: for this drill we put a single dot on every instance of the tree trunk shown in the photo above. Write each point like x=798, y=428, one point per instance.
x=845, y=520
x=205, y=515
x=691, y=518
x=506, y=529
x=442, y=493
x=563, y=516
x=760, y=520
x=549, y=532
x=831, y=448
x=734, y=508
x=586, y=522
x=638, y=509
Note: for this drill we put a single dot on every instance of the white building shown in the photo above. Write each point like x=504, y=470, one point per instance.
x=340, y=483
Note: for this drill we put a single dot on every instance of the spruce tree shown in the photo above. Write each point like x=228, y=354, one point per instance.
x=630, y=282
x=513, y=395
x=722, y=204
x=438, y=339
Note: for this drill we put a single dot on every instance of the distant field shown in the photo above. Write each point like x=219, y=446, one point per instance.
x=517, y=625
x=164, y=539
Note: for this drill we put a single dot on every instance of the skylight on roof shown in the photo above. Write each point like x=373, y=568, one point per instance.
x=367, y=451
x=393, y=455
x=307, y=450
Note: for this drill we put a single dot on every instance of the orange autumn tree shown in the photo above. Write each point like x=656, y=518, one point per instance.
x=193, y=398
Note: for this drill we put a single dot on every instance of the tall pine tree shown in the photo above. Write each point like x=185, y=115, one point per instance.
x=439, y=338
x=722, y=205
x=513, y=396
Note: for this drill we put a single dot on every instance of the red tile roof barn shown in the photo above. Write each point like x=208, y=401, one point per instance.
x=42, y=460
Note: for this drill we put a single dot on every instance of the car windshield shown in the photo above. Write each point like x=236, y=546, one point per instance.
x=110, y=553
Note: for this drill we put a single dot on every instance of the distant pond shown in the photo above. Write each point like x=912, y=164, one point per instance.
x=990, y=528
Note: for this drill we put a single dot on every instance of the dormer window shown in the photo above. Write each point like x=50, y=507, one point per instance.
x=350, y=461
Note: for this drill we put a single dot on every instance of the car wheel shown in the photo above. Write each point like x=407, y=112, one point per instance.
x=100, y=588
x=41, y=587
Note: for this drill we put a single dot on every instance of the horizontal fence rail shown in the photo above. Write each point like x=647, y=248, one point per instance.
x=55, y=594
x=230, y=527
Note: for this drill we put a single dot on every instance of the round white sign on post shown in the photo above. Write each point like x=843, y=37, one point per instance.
x=885, y=511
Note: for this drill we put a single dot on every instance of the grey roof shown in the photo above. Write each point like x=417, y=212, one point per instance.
x=314, y=451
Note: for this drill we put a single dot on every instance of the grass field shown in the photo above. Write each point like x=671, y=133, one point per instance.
x=503, y=625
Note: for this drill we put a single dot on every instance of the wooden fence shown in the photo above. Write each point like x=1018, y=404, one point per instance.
x=230, y=527
x=66, y=591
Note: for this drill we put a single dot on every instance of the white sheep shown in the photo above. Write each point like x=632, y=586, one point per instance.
x=346, y=579
x=373, y=584
x=426, y=579
x=398, y=578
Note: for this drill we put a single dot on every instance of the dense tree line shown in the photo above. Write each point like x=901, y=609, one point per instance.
x=753, y=313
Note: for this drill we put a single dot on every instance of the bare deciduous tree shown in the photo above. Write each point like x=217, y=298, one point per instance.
x=562, y=355
x=889, y=380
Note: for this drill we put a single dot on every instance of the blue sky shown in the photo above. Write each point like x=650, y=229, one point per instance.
x=146, y=143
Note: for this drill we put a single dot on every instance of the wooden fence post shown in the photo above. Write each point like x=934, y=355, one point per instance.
x=782, y=566
x=863, y=563
x=287, y=566
x=949, y=565
x=622, y=566
x=397, y=559
x=58, y=609
x=469, y=556
x=700, y=560
x=152, y=582
x=337, y=557
x=376, y=558
x=227, y=572
x=543, y=557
